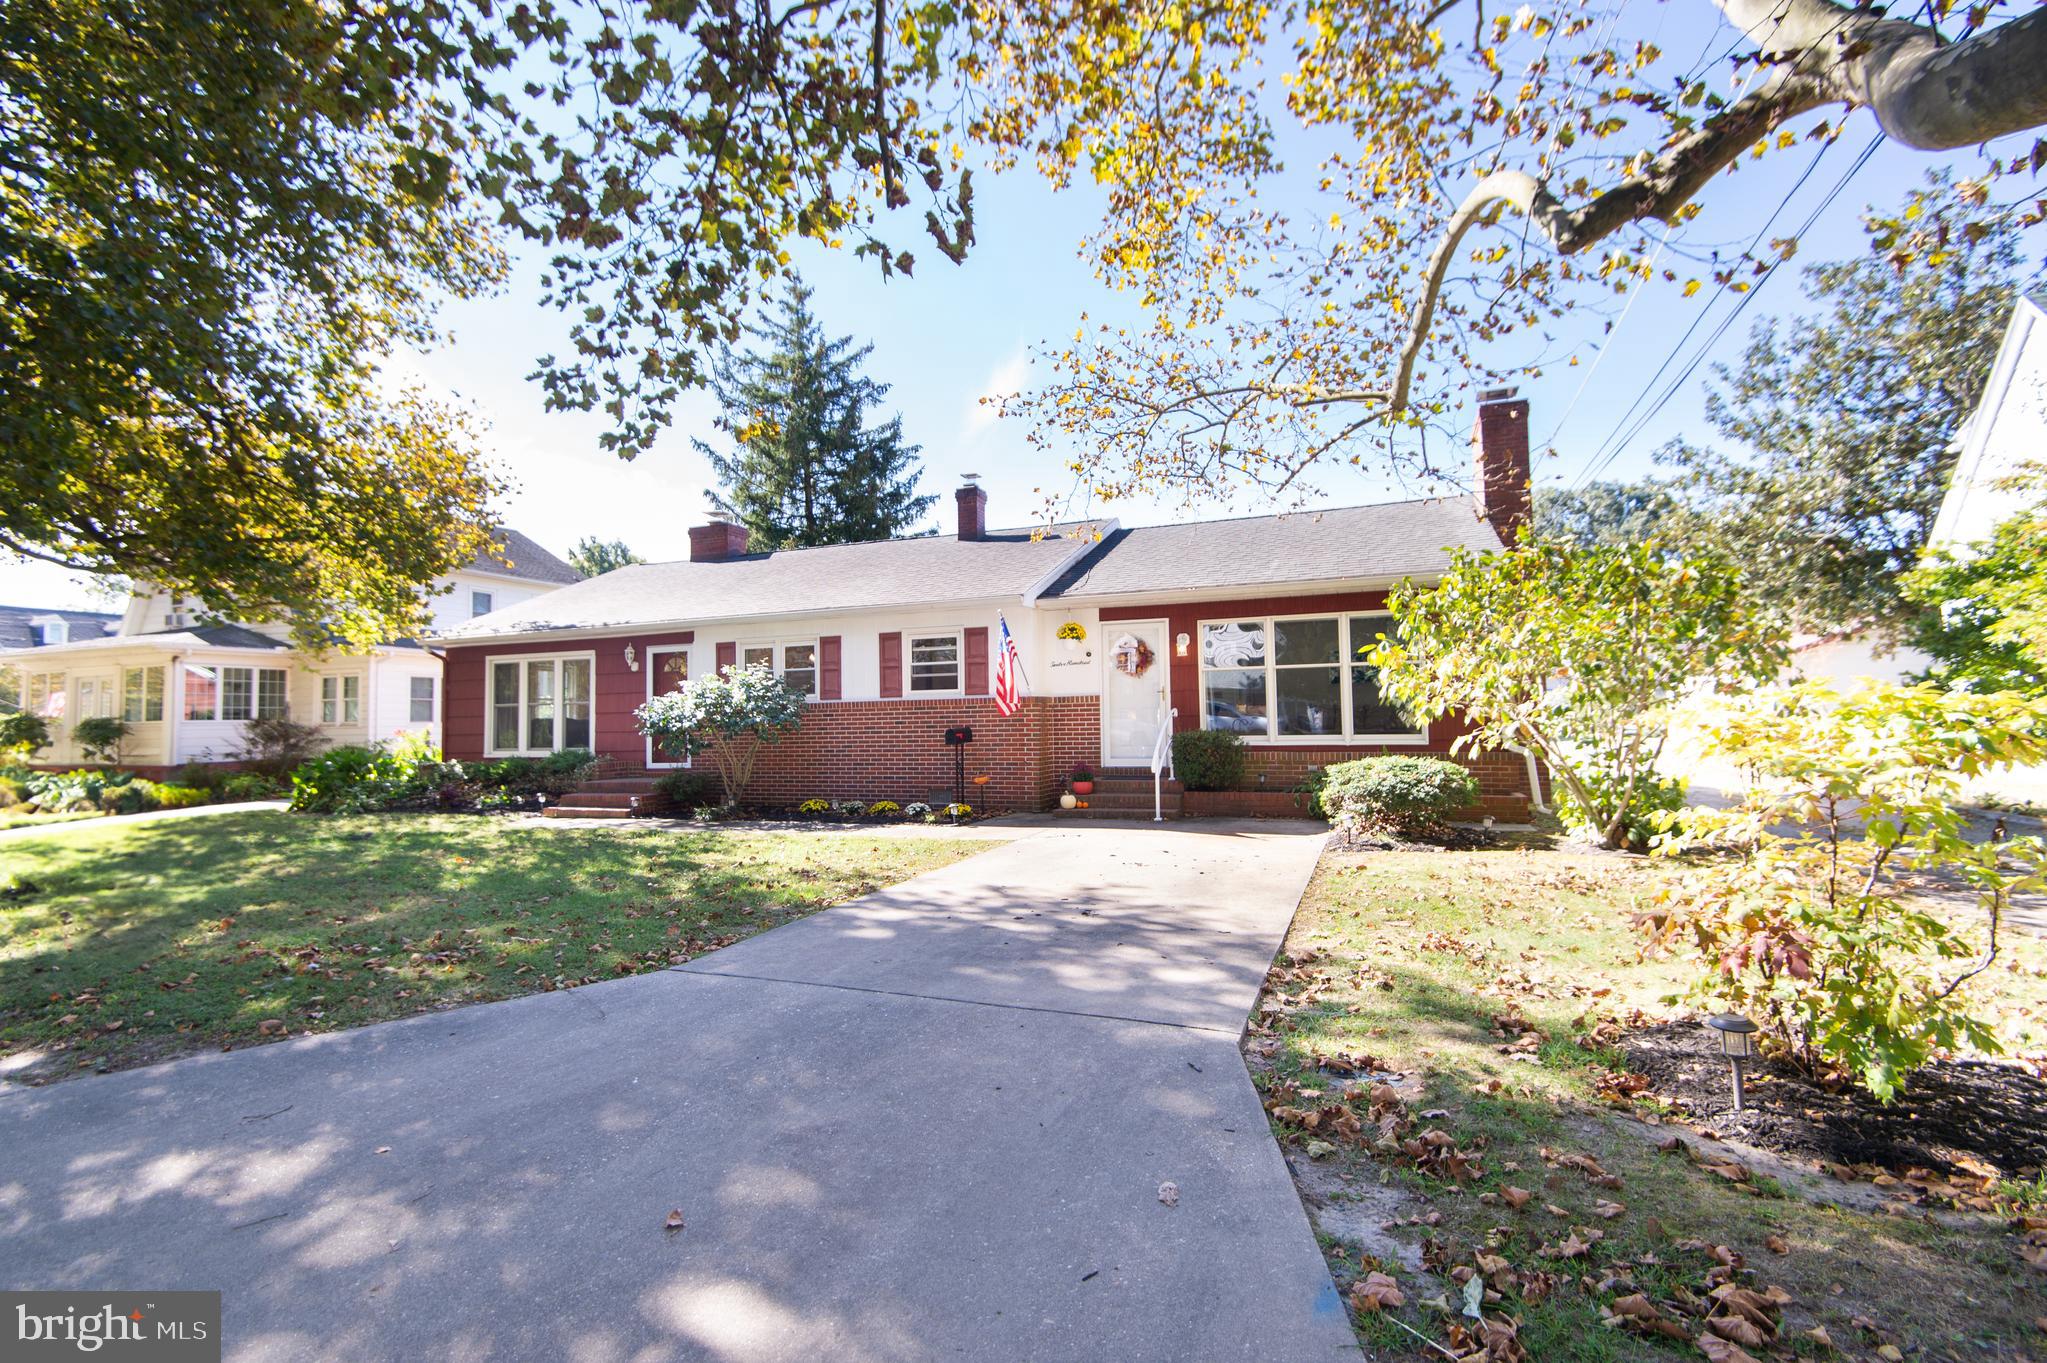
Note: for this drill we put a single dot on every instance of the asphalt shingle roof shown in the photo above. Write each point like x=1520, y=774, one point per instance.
x=1390, y=540
x=931, y=570
x=16, y=624
x=521, y=557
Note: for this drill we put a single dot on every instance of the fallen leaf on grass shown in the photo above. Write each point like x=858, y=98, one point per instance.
x=1889, y=1354
x=1377, y=1292
x=1719, y=1350
x=383, y=1149
x=1608, y=1210
x=1517, y=1198
x=1636, y=1312
x=1818, y=1335
x=1775, y=1244
x=1169, y=1193
x=674, y=1221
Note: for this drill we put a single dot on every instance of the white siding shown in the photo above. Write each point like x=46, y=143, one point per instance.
x=452, y=607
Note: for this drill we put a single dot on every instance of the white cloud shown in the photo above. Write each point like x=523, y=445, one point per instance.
x=1006, y=379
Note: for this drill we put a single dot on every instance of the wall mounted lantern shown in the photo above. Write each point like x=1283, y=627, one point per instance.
x=632, y=659
x=1180, y=642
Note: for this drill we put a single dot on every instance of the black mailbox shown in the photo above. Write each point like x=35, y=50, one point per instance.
x=958, y=734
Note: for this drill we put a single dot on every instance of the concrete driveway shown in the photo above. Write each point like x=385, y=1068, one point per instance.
x=931, y=1124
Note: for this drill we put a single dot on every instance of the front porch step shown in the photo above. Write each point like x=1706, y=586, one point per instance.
x=627, y=785
x=569, y=811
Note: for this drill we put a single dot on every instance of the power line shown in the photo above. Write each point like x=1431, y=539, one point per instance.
x=1678, y=383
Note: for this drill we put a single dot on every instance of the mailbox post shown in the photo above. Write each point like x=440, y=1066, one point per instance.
x=957, y=738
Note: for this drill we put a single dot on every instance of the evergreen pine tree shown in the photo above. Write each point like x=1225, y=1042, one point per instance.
x=806, y=468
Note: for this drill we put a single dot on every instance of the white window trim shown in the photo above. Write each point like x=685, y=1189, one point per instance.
x=490, y=666
x=958, y=635
x=163, y=693
x=433, y=698
x=781, y=648
x=339, y=700
x=1345, y=659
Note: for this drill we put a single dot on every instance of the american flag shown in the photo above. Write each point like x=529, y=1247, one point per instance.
x=1008, y=669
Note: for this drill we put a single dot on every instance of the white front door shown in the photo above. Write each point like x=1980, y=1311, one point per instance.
x=667, y=670
x=1134, y=690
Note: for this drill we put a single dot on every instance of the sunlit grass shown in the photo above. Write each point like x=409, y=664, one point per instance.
x=131, y=942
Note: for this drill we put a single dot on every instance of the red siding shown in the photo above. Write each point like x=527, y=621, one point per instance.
x=828, y=671
x=619, y=690
x=892, y=664
x=977, y=660
x=1502, y=776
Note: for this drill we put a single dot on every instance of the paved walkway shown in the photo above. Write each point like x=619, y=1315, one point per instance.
x=928, y=1125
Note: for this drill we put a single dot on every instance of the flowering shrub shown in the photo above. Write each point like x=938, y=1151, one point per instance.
x=728, y=716
x=916, y=809
x=1809, y=926
x=956, y=812
x=884, y=807
x=814, y=807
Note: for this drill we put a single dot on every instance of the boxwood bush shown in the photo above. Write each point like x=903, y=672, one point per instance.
x=1208, y=759
x=1405, y=796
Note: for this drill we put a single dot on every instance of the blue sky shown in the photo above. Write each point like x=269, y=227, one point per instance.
x=953, y=333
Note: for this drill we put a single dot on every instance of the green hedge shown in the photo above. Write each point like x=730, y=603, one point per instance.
x=1208, y=759
x=1399, y=795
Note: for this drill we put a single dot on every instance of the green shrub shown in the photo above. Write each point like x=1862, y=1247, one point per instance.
x=685, y=791
x=12, y=791
x=353, y=779
x=250, y=785
x=201, y=775
x=101, y=737
x=1208, y=759
x=130, y=797
x=1400, y=795
x=24, y=733
x=1652, y=798
x=275, y=747
x=58, y=792
x=180, y=797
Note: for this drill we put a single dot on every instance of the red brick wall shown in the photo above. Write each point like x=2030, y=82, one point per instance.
x=1502, y=776
x=893, y=750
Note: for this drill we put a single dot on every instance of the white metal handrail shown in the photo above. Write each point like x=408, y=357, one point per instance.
x=1161, y=760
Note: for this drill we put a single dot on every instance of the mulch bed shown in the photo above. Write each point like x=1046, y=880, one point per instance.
x=1951, y=1111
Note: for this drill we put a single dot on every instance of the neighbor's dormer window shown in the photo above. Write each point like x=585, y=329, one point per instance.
x=479, y=604
x=50, y=630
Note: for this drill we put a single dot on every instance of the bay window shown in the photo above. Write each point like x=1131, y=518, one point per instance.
x=541, y=704
x=1302, y=679
x=794, y=663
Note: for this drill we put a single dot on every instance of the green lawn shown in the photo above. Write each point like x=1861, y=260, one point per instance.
x=134, y=942
x=1404, y=961
x=15, y=817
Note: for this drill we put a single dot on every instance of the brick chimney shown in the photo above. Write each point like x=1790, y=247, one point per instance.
x=1499, y=450
x=973, y=504
x=716, y=542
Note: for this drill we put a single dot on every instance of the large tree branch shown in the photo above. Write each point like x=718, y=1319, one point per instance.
x=1924, y=93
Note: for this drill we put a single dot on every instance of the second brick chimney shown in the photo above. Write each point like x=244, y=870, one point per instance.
x=973, y=504
x=1499, y=451
x=716, y=542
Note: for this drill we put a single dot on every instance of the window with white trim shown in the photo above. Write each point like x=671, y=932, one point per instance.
x=422, y=700
x=1302, y=679
x=251, y=693
x=934, y=663
x=794, y=661
x=341, y=699
x=45, y=693
x=541, y=704
x=142, y=695
x=479, y=604
x=202, y=691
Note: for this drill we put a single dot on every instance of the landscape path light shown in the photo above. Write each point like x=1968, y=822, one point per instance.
x=1737, y=1042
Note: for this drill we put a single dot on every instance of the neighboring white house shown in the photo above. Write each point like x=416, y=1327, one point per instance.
x=186, y=686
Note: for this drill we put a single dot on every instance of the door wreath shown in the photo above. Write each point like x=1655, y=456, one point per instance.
x=1131, y=656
